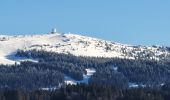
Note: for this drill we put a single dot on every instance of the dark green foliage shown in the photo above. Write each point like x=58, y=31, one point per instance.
x=52, y=67
x=87, y=92
x=116, y=79
x=144, y=71
x=28, y=77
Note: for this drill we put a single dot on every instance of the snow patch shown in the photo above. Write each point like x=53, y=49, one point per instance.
x=86, y=77
x=134, y=85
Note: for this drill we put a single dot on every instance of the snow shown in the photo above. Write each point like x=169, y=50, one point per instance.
x=69, y=80
x=49, y=89
x=134, y=85
x=162, y=84
x=115, y=68
x=86, y=77
x=74, y=44
x=90, y=72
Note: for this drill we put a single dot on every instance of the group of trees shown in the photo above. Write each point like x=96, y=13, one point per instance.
x=116, y=79
x=52, y=67
x=149, y=72
x=87, y=92
x=28, y=76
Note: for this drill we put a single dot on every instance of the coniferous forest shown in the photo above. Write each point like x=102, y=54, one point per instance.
x=88, y=92
x=111, y=81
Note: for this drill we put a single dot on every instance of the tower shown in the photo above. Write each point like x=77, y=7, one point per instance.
x=54, y=30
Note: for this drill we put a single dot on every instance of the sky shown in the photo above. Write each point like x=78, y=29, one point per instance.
x=138, y=22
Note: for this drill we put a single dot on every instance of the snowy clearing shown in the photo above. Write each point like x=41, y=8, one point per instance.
x=85, y=80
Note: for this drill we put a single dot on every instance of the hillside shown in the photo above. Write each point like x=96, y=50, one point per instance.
x=77, y=45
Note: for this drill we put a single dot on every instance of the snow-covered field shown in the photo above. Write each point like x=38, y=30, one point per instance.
x=75, y=44
x=85, y=80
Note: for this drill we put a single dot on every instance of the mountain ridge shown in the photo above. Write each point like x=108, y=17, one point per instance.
x=77, y=45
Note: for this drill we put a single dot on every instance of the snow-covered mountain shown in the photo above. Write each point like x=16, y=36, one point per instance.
x=77, y=45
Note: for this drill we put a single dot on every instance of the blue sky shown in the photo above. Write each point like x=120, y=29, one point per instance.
x=145, y=22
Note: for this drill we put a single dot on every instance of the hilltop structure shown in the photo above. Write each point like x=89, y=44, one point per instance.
x=54, y=30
